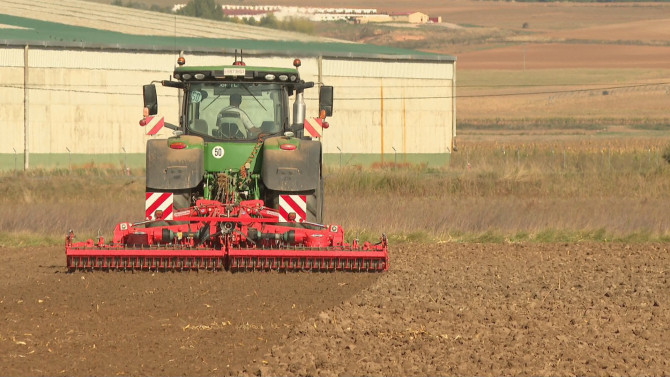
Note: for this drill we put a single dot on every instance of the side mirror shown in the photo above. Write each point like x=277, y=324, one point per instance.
x=326, y=100
x=150, y=98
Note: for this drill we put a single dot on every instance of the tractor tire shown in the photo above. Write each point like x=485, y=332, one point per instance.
x=315, y=204
x=181, y=199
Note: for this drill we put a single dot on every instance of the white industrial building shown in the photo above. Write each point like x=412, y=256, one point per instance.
x=75, y=96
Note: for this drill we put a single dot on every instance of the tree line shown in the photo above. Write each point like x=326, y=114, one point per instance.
x=211, y=10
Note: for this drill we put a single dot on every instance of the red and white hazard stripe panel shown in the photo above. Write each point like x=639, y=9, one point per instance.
x=158, y=201
x=153, y=124
x=293, y=203
x=313, y=126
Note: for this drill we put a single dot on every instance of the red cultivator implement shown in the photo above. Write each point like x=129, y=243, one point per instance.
x=216, y=236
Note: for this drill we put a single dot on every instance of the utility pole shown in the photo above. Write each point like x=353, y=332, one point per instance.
x=26, y=112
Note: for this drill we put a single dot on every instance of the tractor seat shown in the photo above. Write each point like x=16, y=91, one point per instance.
x=230, y=126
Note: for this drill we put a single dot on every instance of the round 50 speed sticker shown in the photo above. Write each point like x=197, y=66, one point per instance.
x=217, y=152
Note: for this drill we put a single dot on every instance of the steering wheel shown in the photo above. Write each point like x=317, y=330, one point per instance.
x=229, y=130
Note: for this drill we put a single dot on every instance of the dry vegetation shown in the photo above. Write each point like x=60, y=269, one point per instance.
x=564, y=98
x=517, y=188
x=552, y=190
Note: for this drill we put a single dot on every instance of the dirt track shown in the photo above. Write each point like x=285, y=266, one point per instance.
x=484, y=309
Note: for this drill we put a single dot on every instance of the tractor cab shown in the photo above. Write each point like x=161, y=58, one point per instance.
x=226, y=111
x=239, y=103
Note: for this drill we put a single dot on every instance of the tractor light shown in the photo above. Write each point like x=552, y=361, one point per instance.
x=181, y=61
x=178, y=145
x=325, y=125
x=292, y=78
x=177, y=76
x=186, y=76
x=199, y=76
x=297, y=63
x=283, y=77
x=158, y=214
x=269, y=77
x=291, y=216
x=288, y=147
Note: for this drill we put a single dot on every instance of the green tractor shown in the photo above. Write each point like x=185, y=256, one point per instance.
x=236, y=141
x=238, y=187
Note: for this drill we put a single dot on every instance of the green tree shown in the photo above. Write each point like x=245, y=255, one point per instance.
x=202, y=8
x=269, y=21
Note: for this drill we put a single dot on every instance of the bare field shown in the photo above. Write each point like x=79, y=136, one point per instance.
x=643, y=31
x=565, y=55
x=580, y=98
x=442, y=309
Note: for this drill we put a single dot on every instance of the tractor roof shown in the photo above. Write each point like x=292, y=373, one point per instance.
x=233, y=72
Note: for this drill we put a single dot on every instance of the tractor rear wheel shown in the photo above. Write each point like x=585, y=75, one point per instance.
x=315, y=204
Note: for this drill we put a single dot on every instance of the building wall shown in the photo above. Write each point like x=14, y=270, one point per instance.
x=86, y=102
x=417, y=18
x=373, y=18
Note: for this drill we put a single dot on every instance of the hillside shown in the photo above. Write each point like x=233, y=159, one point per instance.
x=495, y=35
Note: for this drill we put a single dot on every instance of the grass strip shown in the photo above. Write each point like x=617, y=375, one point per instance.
x=24, y=239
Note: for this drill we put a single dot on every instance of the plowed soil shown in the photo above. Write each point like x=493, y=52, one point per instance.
x=473, y=309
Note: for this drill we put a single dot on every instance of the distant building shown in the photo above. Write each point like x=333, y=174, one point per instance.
x=355, y=15
x=285, y=12
x=411, y=17
x=372, y=18
x=246, y=14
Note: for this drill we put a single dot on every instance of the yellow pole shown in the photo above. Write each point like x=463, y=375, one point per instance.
x=404, y=127
x=382, y=117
